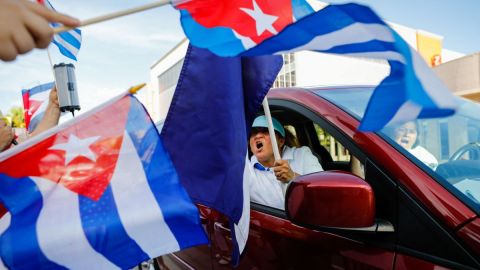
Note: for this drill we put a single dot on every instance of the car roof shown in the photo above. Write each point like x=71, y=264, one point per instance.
x=323, y=88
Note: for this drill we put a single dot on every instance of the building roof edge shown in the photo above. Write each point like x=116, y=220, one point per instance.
x=169, y=52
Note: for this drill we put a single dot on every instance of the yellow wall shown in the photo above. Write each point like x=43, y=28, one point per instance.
x=430, y=48
x=474, y=96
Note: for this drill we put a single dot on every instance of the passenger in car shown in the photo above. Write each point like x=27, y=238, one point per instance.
x=270, y=178
x=406, y=135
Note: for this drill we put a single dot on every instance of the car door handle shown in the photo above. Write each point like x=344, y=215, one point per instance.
x=219, y=227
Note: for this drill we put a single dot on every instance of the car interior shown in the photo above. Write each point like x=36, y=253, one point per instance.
x=331, y=154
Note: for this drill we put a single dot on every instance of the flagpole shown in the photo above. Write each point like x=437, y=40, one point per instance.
x=50, y=60
x=271, y=131
x=116, y=15
x=51, y=66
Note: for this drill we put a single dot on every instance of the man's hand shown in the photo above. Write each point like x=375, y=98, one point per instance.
x=24, y=26
x=283, y=172
x=6, y=135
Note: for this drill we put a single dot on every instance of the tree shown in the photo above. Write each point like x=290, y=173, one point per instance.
x=17, y=116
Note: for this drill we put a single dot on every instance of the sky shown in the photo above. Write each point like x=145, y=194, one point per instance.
x=457, y=21
x=114, y=55
x=119, y=53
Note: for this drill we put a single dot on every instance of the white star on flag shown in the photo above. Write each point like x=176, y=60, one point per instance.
x=263, y=21
x=76, y=147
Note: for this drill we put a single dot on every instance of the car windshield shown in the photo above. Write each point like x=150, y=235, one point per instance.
x=448, y=147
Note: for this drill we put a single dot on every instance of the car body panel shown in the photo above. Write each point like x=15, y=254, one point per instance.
x=470, y=233
x=405, y=262
x=276, y=243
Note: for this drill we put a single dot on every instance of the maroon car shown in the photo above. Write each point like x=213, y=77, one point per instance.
x=378, y=204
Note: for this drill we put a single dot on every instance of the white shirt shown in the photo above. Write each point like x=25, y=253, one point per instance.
x=264, y=186
x=424, y=156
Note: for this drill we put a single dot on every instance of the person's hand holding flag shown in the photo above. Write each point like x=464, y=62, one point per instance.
x=68, y=42
x=24, y=25
x=51, y=115
x=35, y=103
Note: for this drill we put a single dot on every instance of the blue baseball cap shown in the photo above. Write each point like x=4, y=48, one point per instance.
x=261, y=121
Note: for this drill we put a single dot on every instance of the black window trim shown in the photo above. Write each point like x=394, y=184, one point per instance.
x=451, y=235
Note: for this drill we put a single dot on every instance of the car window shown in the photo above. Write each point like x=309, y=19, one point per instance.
x=293, y=137
x=341, y=157
x=447, y=148
x=325, y=149
x=337, y=151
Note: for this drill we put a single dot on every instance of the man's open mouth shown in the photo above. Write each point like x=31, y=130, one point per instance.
x=259, y=145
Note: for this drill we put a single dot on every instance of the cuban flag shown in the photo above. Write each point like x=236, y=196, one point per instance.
x=68, y=42
x=97, y=192
x=207, y=127
x=261, y=27
x=35, y=101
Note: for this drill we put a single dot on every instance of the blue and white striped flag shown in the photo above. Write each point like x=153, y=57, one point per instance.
x=411, y=90
x=67, y=42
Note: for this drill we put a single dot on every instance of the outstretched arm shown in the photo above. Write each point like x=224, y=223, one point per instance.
x=52, y=114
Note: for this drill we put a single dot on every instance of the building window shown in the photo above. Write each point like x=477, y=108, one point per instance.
x=286, y=77
x=337, y=151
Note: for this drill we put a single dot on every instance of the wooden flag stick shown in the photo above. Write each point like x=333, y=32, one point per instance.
x=53, y=69
x=273, y=138
x=134, y=89
x=114, y=15
x=271, y=131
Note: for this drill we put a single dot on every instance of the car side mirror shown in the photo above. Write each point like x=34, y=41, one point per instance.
x=331, y=199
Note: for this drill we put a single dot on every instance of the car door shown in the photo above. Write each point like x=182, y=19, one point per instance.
x=276, y=243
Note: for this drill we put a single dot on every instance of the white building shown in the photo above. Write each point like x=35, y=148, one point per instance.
x=163, y=79
x=300, y=68
x=462, y=76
